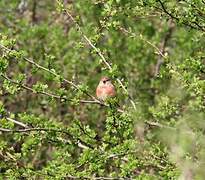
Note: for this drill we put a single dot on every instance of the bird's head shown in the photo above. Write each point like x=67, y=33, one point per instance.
x=105, y=81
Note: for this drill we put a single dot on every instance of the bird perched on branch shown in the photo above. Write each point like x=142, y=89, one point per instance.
x=105, y=89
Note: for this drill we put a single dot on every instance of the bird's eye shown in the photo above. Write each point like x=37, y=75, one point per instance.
x=104, y=82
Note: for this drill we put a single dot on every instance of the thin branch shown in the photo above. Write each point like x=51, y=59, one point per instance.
x=98, y=178
x=56, y=96
x=156, y=124
x=198, y=27
x=79, y=142
x=51, y=72
x=47, y=93
x=17, y=122
x=160, y=51
x=159, y=125
x=121, y=156
x=30, y=89
x=96, y=138
x=125, y=31
x=41, y=67
x=88, y=41
x=97, y=50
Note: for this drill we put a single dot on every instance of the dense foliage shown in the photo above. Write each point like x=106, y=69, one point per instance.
x=52, y=56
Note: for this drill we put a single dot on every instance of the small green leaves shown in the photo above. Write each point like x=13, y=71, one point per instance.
x=2, y=110
x=40, y=87
x=6, y=42
x=3, y=65
x=6, y=124
x=60, y=6
x=15, y=54
x=10, y=87
x=114, y=71
x=165, y=109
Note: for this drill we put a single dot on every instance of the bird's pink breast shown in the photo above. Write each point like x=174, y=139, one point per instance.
x=103, y=92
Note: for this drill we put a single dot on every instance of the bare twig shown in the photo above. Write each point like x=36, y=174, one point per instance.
x=17, y=122
x=162, y=126
x=98, y=51
x=158, y=125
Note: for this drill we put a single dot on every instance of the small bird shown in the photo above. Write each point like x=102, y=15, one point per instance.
x=105, y=89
